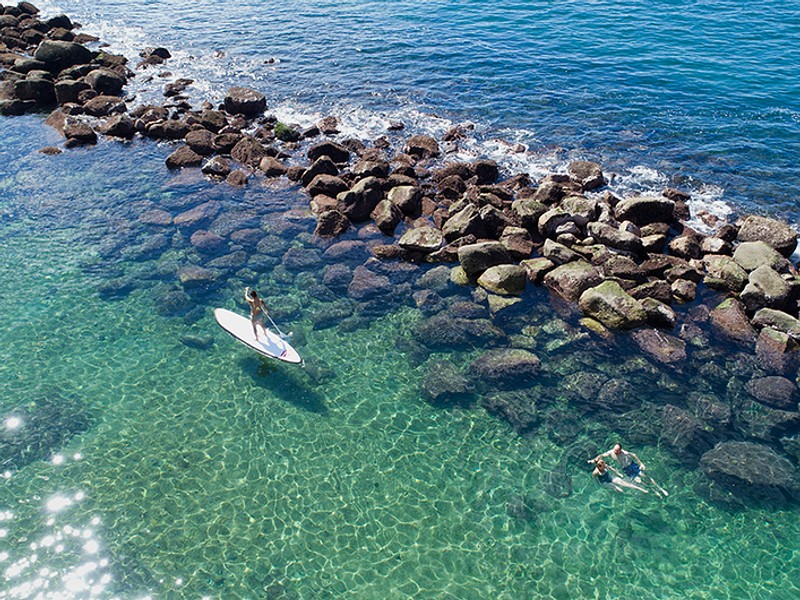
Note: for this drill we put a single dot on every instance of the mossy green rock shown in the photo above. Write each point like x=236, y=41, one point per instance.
x=507, y=280
x=612, y=306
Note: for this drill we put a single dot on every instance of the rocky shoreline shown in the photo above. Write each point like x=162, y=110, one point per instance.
x=399, y=224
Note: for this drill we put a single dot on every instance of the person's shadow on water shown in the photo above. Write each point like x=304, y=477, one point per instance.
x=288, y=382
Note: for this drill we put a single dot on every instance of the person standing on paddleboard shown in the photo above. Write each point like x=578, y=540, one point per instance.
x=258, y=310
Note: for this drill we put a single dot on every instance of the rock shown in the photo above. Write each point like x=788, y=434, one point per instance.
x=528, y=212
x=120, y=126
x=570, y=280
x=616, y=238
x=156, y=217
x=422, y=239
x=517, y=408
x=244, y=101
x=658, y=313
x=476, y=258
x=517, y=241
x=321, y=166
x=236, y=178
x=645, y=209
x=386, y=216
x=751, y=472
x=775, y=391
x=715, y=245
x=507, y=280
x=39, y=90
x=730, y=320
x=766, y=289
x=105, y=82
x=79, y=134
x=248, y=151
x=217, y=167
x=779, y=320
x=331, y=223
x=559, y=254
x=486, y=170
x=465, y=222
x=685, y=434
x=328, y=185
x=192, y=276
x=656, y=290
x=68, y=90
x=751, y=255
x=775, y=233
x=612, y=306
x=407, y=198
x=359, y=201
x=208, y=242
x=506, y=368
x=336, y=152
x=203, y=213
x=367, y=285
x=201, y=141
x=664, y=348
x=582, y=209
x=104, y=106
x=551, y=220
x=59, y=55
x=586, y=173
x=684, y=290
x=421, y=146
x=184, y=157
x=775, y=351
x=444, y=385
x=724, y=273
x=445, y=332
x=685, y=246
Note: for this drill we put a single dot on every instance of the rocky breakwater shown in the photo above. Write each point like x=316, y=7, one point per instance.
x=395, y=222
x=633, y=267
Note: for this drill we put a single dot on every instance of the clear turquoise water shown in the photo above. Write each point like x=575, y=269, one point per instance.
x=157, y=469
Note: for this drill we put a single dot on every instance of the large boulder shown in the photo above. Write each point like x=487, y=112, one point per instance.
x=359, y=201
x=775, y=233
x=105, y=81
x=244, y=101
x=466, y=221
x=751, y=255
x=331, y=223
x=386, y=216
x=445, y=385
x=422, y=239
x=610, y=304
x=183, y=157
x=517, y=408
x=335, y=152
x=730, y=320
x=643, y=210
x=37, y=89
x=476, y=258
x=507, y=280
x=446, y=332
x=765, y=289
x=614, y=237
x=570, y=280
x=408, y=198
x=58, y=55
x=778, y=320
x=506, y=368
x=724, y=273
x=752, y=472
x=773, y=390
x=367, y=285
x=776, y=352
x=662, y=347
x=586, y=173
x=422, y=146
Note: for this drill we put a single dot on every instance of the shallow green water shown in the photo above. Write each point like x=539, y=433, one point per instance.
x=207, y=473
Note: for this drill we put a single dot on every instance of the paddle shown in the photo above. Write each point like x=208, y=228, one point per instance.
x=284, y=336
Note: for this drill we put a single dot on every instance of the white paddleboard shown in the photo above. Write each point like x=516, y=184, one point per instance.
x=269, y=344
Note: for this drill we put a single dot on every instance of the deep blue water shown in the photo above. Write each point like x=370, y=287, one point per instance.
x=705, y=93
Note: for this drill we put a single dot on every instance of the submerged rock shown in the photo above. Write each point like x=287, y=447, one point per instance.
x=445, y=385
x=752, y=472
x=506, y=368
x=517, y=408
